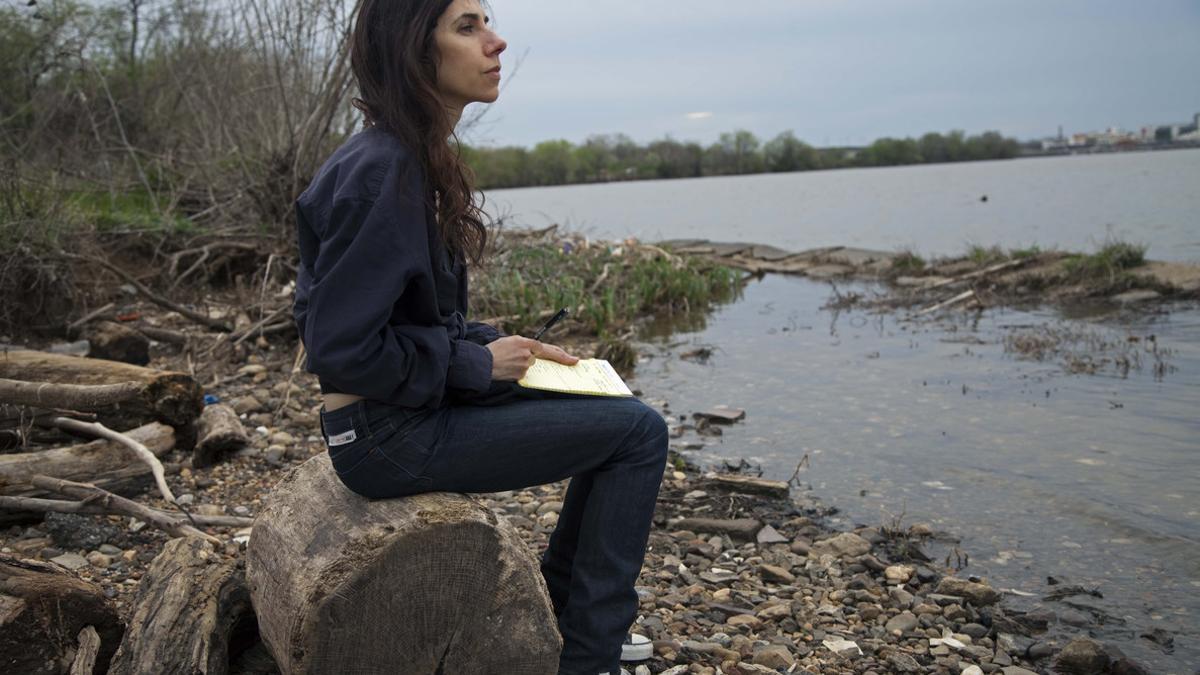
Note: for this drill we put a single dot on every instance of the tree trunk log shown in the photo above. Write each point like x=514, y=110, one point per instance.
x=43, y=609
x=105, y=464
x=168, y=397
x=433, y=583
x=190, y=605
x=220, y=431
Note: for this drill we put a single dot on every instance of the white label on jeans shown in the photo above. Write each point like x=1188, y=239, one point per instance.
x=342, y=439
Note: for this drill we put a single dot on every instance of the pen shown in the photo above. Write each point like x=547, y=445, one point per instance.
x=550, y=324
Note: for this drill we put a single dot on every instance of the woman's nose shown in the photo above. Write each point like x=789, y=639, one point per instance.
x=497, y=45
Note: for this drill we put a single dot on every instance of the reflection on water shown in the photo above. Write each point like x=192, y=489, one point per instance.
x=1087, y=478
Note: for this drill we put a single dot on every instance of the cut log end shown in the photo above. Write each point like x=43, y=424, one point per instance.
x=429, y=583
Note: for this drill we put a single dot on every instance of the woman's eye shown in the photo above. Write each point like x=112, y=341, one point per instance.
x=467, y=28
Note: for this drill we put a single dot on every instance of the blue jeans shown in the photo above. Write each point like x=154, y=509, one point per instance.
x=614, y=449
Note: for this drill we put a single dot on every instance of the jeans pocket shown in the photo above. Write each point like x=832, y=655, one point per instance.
x=391, y=465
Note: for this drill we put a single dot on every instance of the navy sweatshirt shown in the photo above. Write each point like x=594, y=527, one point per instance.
x=380, y=304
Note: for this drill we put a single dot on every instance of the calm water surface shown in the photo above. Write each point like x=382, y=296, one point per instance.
x=1088, y=478
x=1093, y=479
x=1066, y=202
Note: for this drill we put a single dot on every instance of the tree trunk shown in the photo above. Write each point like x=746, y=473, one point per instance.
x=434, y=583
x=190, y=604
x=43, y=609
x=118, y=342
x=105, y=464
x=220, y=431
x=168, y=397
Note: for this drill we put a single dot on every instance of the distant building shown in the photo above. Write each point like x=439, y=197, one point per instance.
x=1170, y=133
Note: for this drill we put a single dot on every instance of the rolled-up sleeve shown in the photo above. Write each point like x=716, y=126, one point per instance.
x=365, y=259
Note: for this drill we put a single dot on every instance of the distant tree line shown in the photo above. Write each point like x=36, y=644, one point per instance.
x=617, y=157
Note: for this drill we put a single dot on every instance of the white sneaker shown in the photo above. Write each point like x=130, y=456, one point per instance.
x=636, y=648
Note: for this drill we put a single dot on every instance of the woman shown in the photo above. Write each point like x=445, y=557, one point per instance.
x=415, y=397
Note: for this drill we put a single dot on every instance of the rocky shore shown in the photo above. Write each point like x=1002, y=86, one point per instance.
x=738, y=578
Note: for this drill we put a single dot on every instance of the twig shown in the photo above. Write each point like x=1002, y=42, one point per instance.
x=151, y=295
x=71, y=396
x=287, y=393
x=78, y=323
x=260, y=325
x=965, y=295
x=121, y=505
x=143, y=453
x=802, y=464
x=89, y=507
x=600, y=279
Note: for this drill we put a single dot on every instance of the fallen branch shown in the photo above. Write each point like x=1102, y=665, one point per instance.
x=241, y=337
x=143, y=453
x=162, y=334
x=121, y=505
x=68, y=396
x=78, y=323
x=980, y=273
x=965, y=295
x=157, y=299
x=40, y=505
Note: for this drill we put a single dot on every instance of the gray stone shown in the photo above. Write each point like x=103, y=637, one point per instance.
x=1016, y=670
x=845, y=544
x=769, y=535
x=902, y=622
x=777, y=574
x=977, y=594
x=903, y=663
x=109, y=549
x=775, y=657
x=976, y=631
x=1082, y=656
x=71, y=561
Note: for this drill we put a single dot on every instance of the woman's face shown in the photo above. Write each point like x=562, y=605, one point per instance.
x=468, y=55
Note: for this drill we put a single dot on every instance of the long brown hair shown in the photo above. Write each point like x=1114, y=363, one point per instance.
x=394, y=59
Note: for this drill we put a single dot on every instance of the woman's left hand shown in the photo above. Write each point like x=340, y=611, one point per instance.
x=553, y=353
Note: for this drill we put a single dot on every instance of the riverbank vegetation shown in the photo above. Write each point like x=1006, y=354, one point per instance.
x=605, y=286
x=618, y=157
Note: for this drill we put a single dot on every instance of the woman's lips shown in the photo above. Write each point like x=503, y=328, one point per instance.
x=493, y=73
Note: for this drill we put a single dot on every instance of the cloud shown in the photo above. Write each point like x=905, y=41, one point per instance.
x=699, y=115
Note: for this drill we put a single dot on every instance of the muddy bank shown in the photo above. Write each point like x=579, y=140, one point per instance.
x=982, y=278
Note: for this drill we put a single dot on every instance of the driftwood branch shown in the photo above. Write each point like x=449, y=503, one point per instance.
x=121, y=505
x=39, y=505
x=215, y=324
x=961, y=297
x=81, y=321
x=66, y=396
x=89, y=650
x=143, y=453
x=998, y=267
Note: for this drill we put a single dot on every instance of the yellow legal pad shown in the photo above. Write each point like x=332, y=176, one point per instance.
x=589, y=376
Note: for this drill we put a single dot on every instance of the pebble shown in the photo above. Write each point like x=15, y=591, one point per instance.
x=71, y=561
x=99, y=560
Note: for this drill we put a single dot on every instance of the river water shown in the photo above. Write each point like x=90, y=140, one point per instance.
x=1072, y=203
x=1035, y=469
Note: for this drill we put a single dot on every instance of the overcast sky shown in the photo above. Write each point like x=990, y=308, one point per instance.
x=841, y=71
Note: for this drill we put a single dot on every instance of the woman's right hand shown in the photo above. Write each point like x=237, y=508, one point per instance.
x=511, y=357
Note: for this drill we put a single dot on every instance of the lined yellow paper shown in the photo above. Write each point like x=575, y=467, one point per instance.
x=590, y=376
